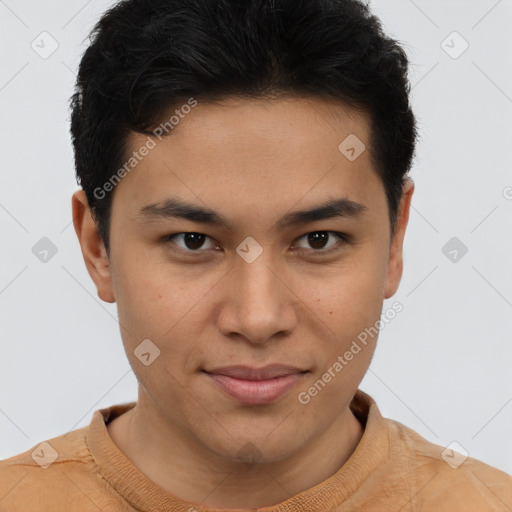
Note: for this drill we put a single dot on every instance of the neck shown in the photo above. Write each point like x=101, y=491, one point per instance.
x=190, y=471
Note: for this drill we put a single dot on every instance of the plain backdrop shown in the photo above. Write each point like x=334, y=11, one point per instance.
x=442, y=366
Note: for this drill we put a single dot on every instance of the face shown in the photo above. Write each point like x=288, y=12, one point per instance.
x=249, y=282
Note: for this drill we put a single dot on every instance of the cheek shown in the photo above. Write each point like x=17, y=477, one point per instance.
x=142, y=291
x=156, y=302
x=350, y=294
x=347, y=304
x=348, y=308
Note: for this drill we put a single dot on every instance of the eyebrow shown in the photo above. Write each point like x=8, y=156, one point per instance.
x=173, y=208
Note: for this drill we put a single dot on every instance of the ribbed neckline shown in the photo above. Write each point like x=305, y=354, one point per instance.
x=143, y=494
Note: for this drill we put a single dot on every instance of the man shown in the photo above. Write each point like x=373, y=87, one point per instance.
x=244, y=201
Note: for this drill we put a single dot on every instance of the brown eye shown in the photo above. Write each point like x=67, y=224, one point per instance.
x=318, y=241
x=190, y=242
x=193, y=240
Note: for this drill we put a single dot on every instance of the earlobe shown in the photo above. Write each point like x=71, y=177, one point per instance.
x=395, y=262
x=92, y=246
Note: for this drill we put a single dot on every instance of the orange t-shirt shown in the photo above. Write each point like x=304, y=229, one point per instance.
x=392, y=469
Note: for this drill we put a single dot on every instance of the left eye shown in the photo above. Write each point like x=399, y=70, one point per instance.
x=318, y=239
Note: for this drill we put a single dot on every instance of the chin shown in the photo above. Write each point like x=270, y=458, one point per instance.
x=250, y=450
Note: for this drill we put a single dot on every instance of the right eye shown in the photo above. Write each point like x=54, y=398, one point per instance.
x=188, y=242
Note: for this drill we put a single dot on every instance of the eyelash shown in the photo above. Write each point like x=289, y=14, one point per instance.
x=345, y=240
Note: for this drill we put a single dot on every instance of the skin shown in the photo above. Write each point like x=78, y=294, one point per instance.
x=252, y=161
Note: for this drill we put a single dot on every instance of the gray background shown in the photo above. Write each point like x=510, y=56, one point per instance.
x=442, y=366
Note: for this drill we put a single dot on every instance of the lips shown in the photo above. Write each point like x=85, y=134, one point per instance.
x=270, y=371
x=254, y=386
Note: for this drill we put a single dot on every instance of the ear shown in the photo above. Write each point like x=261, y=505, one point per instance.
x=395, y=262
x=93, y=248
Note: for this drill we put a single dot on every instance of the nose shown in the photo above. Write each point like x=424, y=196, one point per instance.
x=259, y=304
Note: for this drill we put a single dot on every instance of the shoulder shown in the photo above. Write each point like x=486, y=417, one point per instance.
x=446, y=477
x=64, y=449
x=55, y=474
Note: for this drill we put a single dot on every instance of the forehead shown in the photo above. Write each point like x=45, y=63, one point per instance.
x=286, y=123
x=271, y=153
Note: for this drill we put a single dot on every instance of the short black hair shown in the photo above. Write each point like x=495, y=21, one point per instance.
x=147, y=56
